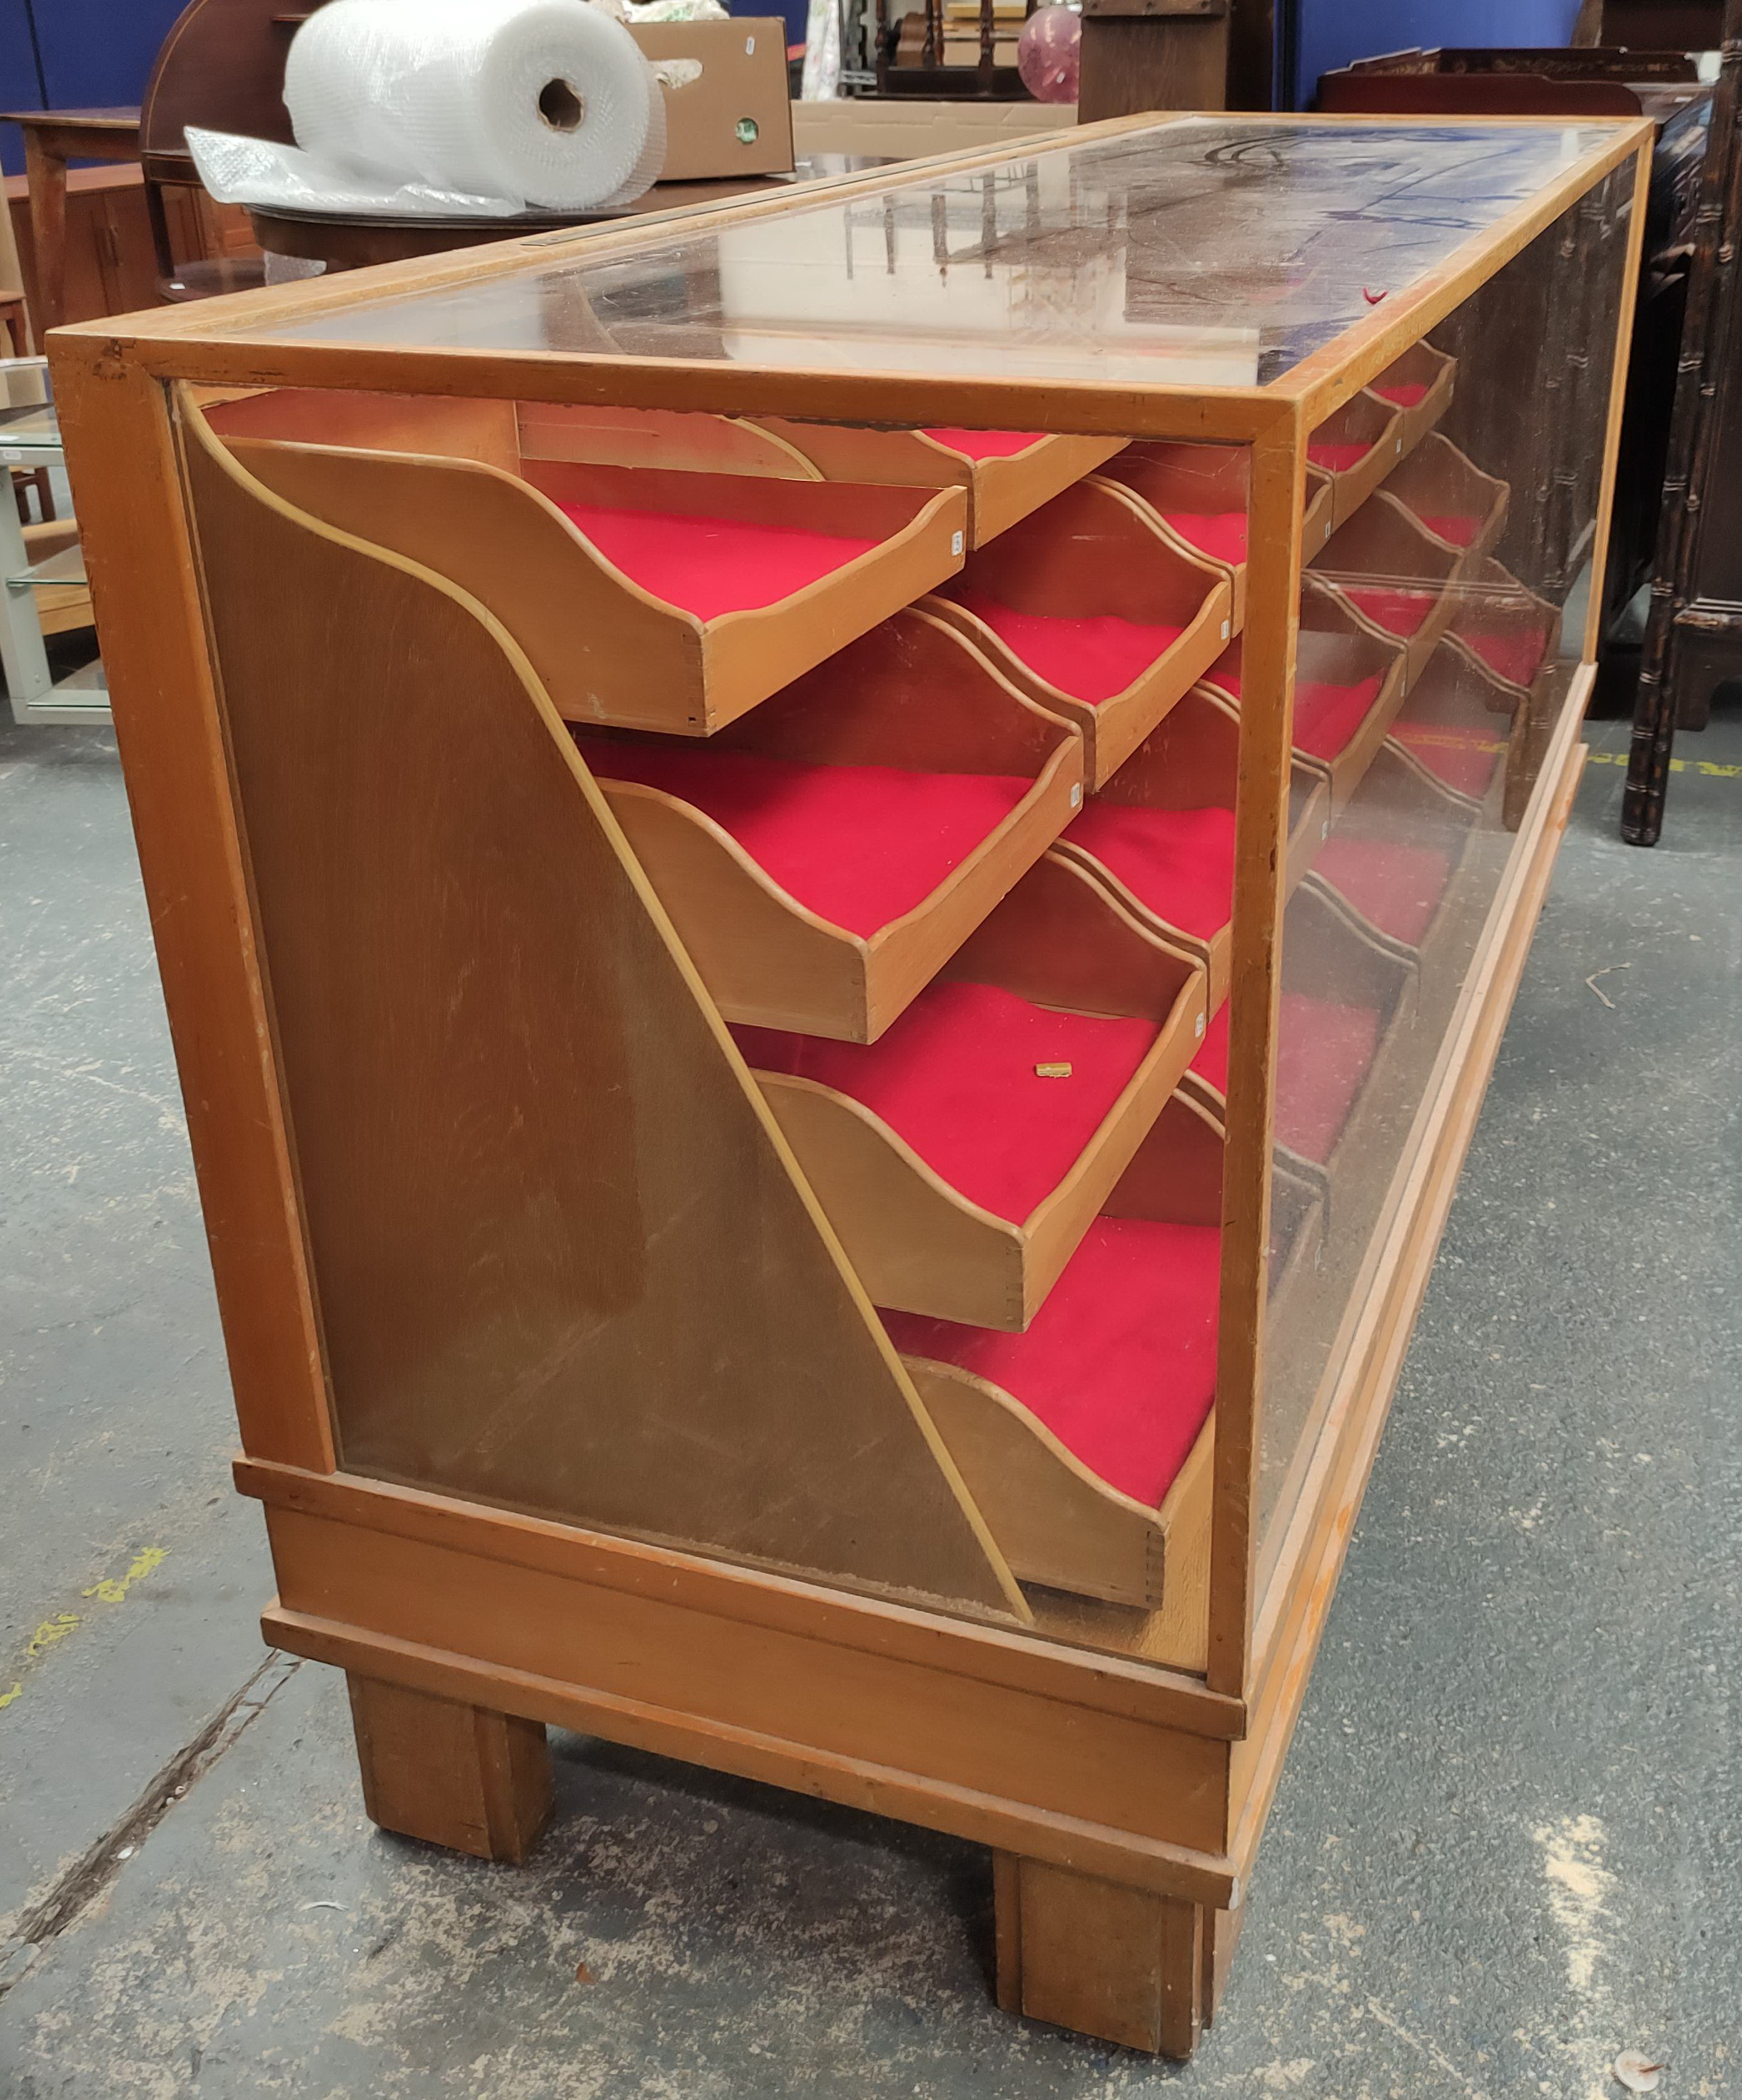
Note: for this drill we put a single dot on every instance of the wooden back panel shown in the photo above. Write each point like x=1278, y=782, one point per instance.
x=561, y=1258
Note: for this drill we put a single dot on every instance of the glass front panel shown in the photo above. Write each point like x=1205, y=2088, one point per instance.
x=1447, y=615
x=1113, y=260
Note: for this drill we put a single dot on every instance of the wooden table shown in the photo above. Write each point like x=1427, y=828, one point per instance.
x=52, y=138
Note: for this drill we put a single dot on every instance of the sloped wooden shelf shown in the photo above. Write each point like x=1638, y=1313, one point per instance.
x=1087, y=1440
x=1503, y=625
x=1087, y=608
x=1356, y=447
x=1390, y=575
x=1198, y=494
x=823, y=858
x=1159, y=837
x=1348, y=686
x=1344, y=994
x=1455, y=724
x=1450, y=496
x=663, y=598
x=1418, y=386
x=1004, y=473
x=962, y=1157
x=1310, y=801
x=1396, y=880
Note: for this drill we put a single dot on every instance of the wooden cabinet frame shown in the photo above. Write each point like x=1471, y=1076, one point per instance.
x=1124, y=1793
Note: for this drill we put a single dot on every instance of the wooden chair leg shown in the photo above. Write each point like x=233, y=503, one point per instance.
x=1120, y=1964
x=457, y=1776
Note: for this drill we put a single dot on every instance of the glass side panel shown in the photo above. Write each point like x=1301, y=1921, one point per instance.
x=1207, y=252
x=1441, y=629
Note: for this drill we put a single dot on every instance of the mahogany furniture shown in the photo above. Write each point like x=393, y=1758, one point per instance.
x=1693, y=637
x=52, y=138
x=848, y=1207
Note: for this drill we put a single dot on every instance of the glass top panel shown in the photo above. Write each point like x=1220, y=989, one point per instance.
x=67, y=566
x=35, y=426
x=1202, y=251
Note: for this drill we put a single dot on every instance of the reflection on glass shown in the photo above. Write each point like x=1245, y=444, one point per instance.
x=1455, y=580
x=1208, y=251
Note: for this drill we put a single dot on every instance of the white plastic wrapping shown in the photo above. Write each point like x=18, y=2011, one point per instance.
x=454, y=107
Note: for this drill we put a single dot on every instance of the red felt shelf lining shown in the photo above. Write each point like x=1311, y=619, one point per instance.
x=1325, y=1050
x=1092, y=658
x=1178, y=862
x=860, y=845
x=1326, y=716
x=1406, y=393
x=1458, y=528
x=1120, y=1361
x=1395, y=887
x=1338, y=458
x=955, y=1077
x=1221, y=534
x=1464, y=759
x=988, y=444
x=711, y=566
x=1515, y=650
x=1399, y=612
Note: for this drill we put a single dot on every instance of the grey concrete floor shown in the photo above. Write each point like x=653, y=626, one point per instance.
x=1507, y=1844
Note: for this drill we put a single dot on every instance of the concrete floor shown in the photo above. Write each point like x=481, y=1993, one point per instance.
x=1507, y=1844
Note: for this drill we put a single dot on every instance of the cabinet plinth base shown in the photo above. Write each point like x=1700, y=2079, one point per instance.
x=1122, y=1964
x=453, y=1775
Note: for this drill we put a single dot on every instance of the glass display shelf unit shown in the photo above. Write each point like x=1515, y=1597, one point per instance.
x=887, y=838
x=41, y=595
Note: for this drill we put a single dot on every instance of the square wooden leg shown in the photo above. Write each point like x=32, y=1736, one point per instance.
x=1222, y=1930
x=1120, y=1964
x=457, y=1776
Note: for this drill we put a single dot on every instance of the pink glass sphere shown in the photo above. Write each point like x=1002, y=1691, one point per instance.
x=1048, y=53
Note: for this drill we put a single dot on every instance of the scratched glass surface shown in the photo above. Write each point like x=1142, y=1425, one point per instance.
x=1208, y=252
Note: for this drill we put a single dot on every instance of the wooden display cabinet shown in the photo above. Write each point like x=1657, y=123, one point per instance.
x=836, y=880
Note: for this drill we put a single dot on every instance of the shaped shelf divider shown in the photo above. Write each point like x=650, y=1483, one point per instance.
x=1450, y=496
x=1004, y=473
x=1356, y=446
x=1390, y=575
x=1198, y=494
x=1398, y=886
x=822, y=858
x=1087, y=1440
x=1088, y=608
x=1454, y=725
x=1418, y=385
x=666, y=437
x=1344, y=994
x=1346, y=686
x=648, y=597
x=1505, y=627
x=962, y=1157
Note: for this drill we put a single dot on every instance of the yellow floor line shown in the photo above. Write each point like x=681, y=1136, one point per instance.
x=51, y=1632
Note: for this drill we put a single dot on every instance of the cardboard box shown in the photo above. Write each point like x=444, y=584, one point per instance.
x=734, y=118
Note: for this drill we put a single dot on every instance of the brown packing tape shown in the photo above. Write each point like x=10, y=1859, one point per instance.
x=735, y=118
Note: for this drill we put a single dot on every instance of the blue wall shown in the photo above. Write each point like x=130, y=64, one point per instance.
x=96, y=54
x=1333, y=32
